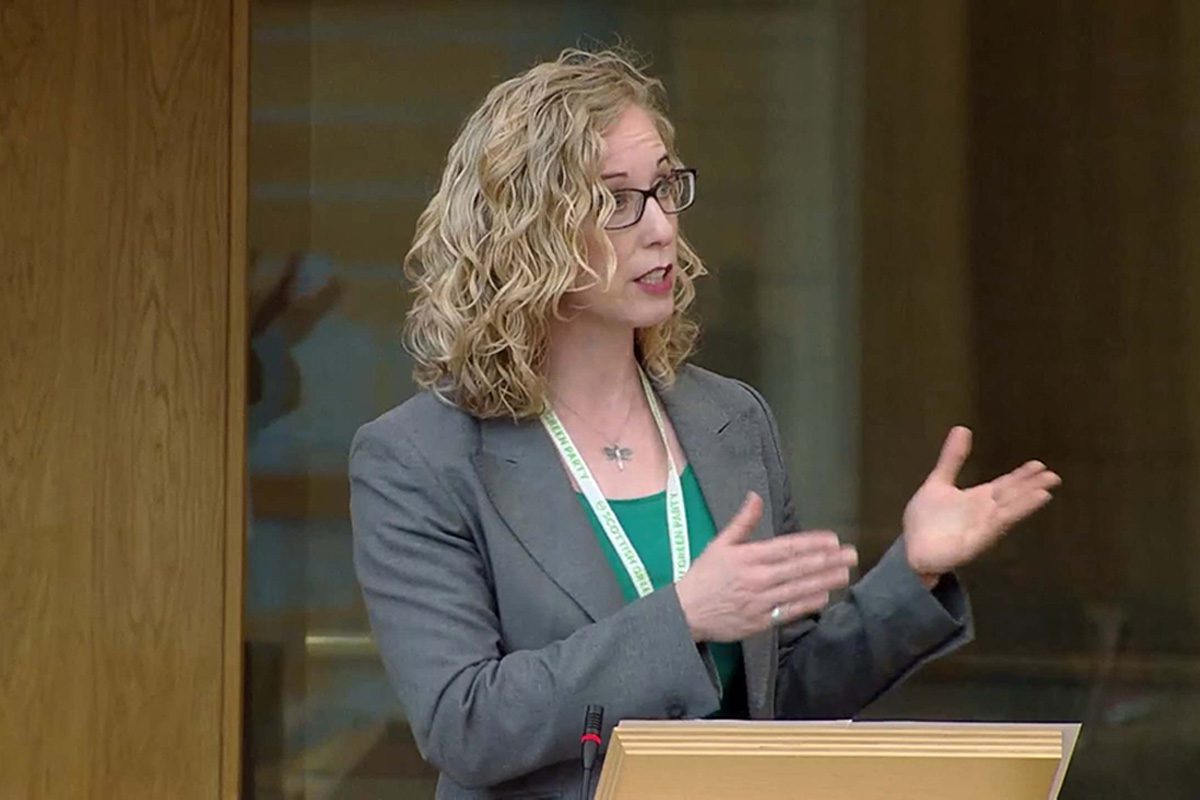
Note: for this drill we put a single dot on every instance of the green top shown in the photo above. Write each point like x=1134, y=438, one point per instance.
x=645, y=522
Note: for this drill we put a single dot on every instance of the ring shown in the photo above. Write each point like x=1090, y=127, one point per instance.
x=776, y=615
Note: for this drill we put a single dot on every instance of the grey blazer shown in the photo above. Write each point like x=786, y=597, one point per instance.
x=499, y=619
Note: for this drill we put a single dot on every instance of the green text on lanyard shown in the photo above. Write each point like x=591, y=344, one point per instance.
x=677, y=529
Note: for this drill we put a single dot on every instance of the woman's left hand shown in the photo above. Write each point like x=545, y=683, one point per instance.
x=946, y=527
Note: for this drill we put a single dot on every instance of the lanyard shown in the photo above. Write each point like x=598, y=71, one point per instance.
x=677, y=529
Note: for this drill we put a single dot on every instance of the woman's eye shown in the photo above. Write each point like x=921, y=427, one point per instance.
x=621, y=201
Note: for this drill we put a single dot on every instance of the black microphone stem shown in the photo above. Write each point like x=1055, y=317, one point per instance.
x=589, y=746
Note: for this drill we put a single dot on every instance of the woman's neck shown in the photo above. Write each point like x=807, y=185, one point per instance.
x=592, y=368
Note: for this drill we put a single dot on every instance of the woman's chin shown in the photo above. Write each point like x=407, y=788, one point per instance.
x=634, y=316
x=654, y=317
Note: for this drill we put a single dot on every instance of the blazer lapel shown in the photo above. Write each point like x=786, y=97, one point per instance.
x=724, y=451
x=726, y=456
x=526, y=482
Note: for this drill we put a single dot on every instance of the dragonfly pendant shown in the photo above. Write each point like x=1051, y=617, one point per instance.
x=618, y=454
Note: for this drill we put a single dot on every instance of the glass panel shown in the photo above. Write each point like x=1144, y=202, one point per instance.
x=912, y=220
x=1036, y=269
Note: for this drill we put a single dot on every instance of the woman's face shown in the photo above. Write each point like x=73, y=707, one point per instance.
x=641, y=292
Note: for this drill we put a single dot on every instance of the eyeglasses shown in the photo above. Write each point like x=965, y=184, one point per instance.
x=673, y=193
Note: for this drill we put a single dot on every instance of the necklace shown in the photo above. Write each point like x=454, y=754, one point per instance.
x=677, y=525
x=613, y=451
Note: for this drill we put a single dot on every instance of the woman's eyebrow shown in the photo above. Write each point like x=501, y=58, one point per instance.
x=659, y=163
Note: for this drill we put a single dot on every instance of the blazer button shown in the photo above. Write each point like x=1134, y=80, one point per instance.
x=675, y=710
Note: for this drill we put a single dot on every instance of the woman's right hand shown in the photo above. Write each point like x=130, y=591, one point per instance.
x=731, y=589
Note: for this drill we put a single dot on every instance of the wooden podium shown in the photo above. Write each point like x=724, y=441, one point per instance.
x=700, y=759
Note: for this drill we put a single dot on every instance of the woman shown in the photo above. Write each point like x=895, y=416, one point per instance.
x=570, y=514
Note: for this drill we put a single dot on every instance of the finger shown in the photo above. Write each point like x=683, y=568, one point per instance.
x=743, y=522
x=1026, y=470
x=1006, y=483
x=805, y=567
x=798, y=609
x=1023, y=506
x=1045, y=480
x=793, y=545
x=328, y=294
x=827, y=580
x=780, y=573
x=291, y=267
x=954, y=453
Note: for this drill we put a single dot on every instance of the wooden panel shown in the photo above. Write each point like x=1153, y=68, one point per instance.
x=1187, y=69
x=1029, y=250
x=235, y=400
x=117, y=423
x=1079, y=276
x=916, y=363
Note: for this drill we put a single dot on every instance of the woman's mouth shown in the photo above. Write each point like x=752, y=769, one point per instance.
x=658, y=280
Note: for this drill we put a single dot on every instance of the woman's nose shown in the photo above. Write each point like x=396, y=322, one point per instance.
x=658, y=225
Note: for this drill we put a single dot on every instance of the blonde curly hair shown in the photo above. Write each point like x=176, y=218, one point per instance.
x=505, y=238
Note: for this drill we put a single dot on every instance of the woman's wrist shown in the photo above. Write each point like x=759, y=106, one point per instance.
x=928, y=579
x=686, y=605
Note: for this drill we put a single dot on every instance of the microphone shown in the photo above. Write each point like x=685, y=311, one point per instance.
x=589, y=745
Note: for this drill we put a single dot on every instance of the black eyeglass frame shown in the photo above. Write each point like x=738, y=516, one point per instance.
x=652, y=194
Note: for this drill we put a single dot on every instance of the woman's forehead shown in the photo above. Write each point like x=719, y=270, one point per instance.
x=632, y=142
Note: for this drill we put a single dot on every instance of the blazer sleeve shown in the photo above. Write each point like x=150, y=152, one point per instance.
x=887, y=625
x=481, y=715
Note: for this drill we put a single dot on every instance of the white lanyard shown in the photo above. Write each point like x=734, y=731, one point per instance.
x=677, y=528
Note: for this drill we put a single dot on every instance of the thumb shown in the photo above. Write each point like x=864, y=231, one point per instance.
x=743, y=522
x=954, y=453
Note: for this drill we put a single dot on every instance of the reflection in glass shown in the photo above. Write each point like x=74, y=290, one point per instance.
x=911, y=221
